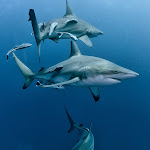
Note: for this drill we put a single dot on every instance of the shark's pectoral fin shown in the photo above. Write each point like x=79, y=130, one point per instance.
x=52, y=28
x=95, y=92
x=86, y=40
x=58, y=84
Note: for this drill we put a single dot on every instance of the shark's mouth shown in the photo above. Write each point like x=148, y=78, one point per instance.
x=116, y=79
x=120, y=76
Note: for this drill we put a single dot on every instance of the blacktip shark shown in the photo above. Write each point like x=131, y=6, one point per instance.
x=86, y=141
x=67, y=27
x=78, y=70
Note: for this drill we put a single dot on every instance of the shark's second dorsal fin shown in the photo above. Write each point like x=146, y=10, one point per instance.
x=68, y=9
x=74, y=49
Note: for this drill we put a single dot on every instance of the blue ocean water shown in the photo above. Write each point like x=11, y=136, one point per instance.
x=34, y=119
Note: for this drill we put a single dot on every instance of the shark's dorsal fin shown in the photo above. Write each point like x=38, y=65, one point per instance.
x=74, y=49
x=68, y=9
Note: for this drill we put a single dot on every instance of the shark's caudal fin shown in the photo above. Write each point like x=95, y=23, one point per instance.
x=35, y=27
x=68, y=9
x=72, y=123
x=28, y=74
x=74, y=49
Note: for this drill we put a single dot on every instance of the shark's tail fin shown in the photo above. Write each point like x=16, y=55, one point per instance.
x=28, y=74
x=72, y=123
x=36, y=29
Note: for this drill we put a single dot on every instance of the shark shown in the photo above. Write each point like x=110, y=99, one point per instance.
x=77, y=71
x=86, y=141
x=67, y=27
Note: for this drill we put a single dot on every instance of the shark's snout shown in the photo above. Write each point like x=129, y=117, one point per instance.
x=126, y=75
x=99, y=32
x=132, y=74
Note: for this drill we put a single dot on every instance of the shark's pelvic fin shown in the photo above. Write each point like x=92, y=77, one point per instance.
x=68, y=9
x=28, y=74
x=35, y=27
x=74, y=49
x=86, y=40
x=72, y=123
x=59, y=84
x=95, y=92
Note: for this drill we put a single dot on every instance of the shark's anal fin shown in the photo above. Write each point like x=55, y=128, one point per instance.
x=95, y=92
x=86, y=40
x=59, y=84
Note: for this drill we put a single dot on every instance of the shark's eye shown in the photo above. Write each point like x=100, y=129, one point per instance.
x=81, y=125
x=115, y=72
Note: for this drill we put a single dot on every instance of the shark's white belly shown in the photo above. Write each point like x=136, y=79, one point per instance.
x=99, y=80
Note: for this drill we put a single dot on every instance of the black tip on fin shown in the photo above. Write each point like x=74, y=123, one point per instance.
x=24, y=87
x=58, y=68
x=95, y=92
x=38, y=83
x=7, y=57
x=41, y=69
x=31, y=12
x=96, y=98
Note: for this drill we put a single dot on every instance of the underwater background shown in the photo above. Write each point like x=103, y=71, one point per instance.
x=35, y=119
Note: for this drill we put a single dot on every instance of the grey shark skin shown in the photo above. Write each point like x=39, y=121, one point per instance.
x=69, y=26
x=78, y=70
x=86, y=141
